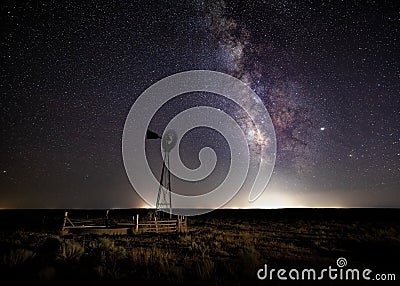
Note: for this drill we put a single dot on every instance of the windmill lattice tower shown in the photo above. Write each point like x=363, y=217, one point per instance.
x=164, y=199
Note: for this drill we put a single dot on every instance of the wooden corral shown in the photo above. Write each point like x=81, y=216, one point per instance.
x=103, y=226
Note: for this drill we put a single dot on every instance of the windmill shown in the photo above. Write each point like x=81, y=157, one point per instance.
x=164, y=201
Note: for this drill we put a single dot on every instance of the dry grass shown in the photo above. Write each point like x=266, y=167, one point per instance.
x=213, y=251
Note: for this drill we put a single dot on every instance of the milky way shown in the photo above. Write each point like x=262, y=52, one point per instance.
x=295, y=119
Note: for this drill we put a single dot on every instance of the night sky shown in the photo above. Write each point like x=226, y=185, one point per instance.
x=328, y=72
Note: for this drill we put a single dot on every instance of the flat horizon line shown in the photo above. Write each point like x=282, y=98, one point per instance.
x=220, y=209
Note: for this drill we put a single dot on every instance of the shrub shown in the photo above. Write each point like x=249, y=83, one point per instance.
x=17, y=257
x=71, y=250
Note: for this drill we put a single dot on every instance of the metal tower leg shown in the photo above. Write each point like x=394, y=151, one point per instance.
x=164, y=190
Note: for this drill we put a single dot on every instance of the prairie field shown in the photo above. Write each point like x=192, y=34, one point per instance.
x=224, y=247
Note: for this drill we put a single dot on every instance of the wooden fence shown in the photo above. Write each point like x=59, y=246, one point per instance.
x=101, y=226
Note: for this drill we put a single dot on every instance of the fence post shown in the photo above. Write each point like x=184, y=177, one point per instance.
x=107, y=221
x=65, y=220
x=137, y=223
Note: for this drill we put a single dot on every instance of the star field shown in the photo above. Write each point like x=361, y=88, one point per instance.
x=328, y=72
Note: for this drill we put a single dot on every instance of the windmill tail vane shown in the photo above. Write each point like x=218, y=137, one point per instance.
x=152, y=135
